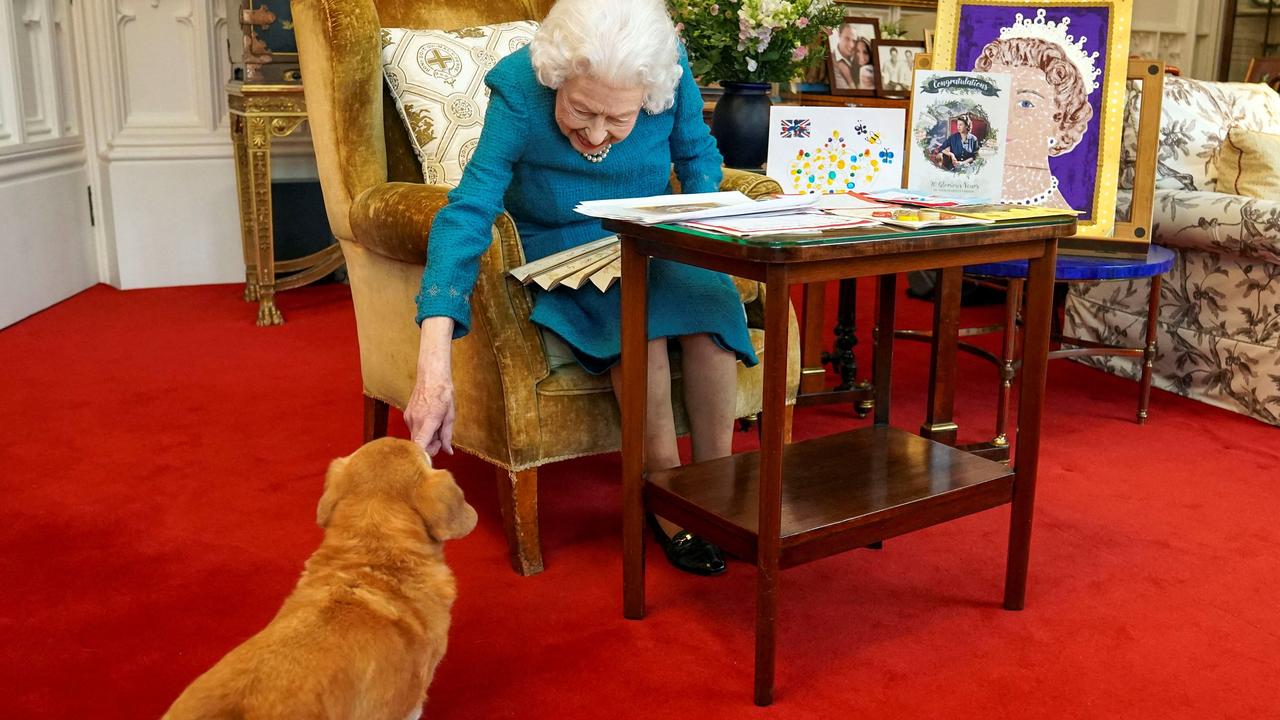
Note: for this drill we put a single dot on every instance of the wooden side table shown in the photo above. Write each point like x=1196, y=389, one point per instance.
x=260, y=113
x=788, y=504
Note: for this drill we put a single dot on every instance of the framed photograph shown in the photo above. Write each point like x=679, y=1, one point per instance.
x=1264, y=70
x=1069, y=62
x=850, y=58
x=894, y=61
x=928, y=41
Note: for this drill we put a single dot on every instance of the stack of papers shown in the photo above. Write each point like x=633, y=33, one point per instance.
x=788, y=223
x=915, y=218
x=1000, y=213
x=660, y=209
x=909, y=197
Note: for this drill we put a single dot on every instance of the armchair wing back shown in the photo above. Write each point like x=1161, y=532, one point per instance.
x=513, y=409
x=358, y=144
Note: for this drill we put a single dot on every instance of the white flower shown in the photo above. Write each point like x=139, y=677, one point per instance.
x=751, y=65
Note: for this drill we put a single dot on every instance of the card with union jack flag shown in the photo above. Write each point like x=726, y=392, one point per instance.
x=795, y=127
x=819, y=150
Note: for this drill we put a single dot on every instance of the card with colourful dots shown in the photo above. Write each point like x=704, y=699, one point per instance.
x=819, y=150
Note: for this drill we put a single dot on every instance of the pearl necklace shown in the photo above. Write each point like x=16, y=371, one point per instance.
x=599, y=155
x=1034, y=199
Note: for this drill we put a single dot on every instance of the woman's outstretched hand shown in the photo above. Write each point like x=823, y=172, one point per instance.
x=430, y=411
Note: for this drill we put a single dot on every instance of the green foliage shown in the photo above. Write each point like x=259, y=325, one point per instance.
x=753, y=40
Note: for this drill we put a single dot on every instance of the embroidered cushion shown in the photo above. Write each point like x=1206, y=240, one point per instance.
x=1249, y=164
x=437, y=80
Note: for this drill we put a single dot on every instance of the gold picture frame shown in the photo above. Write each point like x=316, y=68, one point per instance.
x=1088, y=180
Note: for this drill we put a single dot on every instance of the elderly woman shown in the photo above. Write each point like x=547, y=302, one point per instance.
x=599, y=105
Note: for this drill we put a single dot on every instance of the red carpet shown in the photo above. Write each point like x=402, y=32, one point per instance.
x=162, y=458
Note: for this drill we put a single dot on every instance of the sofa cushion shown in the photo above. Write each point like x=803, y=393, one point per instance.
x=1249, y=164
x=436, y=78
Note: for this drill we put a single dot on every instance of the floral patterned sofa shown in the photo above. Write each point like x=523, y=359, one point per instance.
x=1219, y=327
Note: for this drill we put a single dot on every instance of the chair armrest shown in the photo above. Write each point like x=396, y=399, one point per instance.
x=1218, y=223
x=394, y=219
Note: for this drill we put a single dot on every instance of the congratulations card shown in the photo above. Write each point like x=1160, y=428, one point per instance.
x=819, y=150
x=958, y=126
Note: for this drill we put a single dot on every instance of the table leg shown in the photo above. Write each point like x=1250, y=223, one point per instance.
x=259, y=178
x=812, y=374
x=635, y=371
x=846, y=335
x=239, y=150
x=772, y=441
x=1149, y=350
x=938, y=424
x=882, y=337
x=1008, y=360
x=1035, y=359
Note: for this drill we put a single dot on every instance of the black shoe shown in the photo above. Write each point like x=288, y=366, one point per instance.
x=688, y=552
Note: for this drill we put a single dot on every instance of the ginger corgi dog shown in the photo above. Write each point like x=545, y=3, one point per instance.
x=362, y=633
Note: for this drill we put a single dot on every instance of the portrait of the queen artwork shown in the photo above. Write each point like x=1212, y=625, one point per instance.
x=1067, y=61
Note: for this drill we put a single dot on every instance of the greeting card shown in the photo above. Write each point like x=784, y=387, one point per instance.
x=959, y=122
x=819, y=150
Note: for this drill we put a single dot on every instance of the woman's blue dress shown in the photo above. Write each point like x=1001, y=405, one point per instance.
x=523, y=163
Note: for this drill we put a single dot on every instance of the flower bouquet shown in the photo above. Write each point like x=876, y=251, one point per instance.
x=753, y=40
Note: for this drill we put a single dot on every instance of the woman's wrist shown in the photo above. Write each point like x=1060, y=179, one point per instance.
x=435, y=345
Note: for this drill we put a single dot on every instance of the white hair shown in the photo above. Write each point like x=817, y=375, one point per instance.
x=622, y=42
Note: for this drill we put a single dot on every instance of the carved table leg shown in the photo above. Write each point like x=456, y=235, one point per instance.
x=259, y=181
x=1008, y=360
x=1149, y=350
x=846, y=338
x=244, y=198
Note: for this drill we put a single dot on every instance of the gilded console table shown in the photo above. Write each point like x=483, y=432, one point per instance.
x=260, y=113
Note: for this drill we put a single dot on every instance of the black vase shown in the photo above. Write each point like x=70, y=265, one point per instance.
x=740, y=124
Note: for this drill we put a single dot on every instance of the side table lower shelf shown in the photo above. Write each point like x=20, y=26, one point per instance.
x=839, y=492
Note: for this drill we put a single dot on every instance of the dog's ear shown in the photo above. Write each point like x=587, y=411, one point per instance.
x=329, y=498
x=443, y=508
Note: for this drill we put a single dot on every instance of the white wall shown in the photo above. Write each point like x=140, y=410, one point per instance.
x=46, y=246
x=1184, y=33
x=158, y=70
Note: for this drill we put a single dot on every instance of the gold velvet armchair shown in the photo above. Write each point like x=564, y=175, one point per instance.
x=513, y=410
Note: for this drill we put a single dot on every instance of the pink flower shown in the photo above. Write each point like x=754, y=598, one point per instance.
x=802, y=22
x=799, y=53
x=715, y=9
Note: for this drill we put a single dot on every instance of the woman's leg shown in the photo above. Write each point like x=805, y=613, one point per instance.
x=660, y=451
x=710, y=395
x=683, y=550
